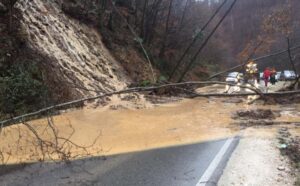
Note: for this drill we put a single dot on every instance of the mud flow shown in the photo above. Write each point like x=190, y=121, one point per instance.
x=129, y=130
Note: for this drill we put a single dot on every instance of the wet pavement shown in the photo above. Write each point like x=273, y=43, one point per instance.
x=176, y=166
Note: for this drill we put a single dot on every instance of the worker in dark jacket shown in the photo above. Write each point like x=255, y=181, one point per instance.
x=273, y=76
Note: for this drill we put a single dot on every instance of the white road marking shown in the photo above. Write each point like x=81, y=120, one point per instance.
x=214, y=164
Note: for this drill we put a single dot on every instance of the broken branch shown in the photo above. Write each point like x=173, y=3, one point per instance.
x=24, y=117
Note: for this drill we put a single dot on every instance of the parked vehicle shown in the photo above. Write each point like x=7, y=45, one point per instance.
x=261, y=75
x=235, y=77
x=288, y=75
x=277, y=76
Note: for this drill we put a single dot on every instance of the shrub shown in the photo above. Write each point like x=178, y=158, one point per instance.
x=22, y=89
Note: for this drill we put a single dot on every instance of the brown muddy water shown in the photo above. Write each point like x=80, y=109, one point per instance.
x=126, y=130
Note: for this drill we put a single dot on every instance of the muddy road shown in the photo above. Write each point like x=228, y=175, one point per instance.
x=178, y=143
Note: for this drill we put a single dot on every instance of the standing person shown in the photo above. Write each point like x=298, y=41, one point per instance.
x=267, y=74
x=273, y=76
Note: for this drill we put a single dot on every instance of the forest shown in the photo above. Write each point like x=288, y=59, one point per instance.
x=150, y=92
x=173, y=32
x=153, y=41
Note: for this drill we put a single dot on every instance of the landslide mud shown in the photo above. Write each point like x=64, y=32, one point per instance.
x=129, y=130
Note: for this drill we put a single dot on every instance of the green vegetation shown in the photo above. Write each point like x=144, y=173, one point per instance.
x=22, y=89
x=145, y=83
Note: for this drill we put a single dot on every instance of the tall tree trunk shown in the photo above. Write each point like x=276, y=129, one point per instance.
x=183, y=14
x=103, y=5
x=178, y=63
x=136, y=11
x=10, y=21
x=143, y=19
x=192, y=61
x=290, y=56
x=151, y=29
x=162, y=50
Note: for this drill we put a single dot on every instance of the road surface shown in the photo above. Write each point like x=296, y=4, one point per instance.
x=190, y=165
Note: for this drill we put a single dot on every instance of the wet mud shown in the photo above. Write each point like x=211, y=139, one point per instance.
x=129, y=130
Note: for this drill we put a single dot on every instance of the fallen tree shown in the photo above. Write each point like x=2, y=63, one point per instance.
x=42, y=142
x=25, y=117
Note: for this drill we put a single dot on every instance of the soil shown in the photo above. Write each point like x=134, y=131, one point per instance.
x=257, y=114
x=135, y=125
x=127, y=128
x=290, y=147
x=71, y=54
x=161, y=100
x=263, y=117
x=285, y=100
x=258, y=148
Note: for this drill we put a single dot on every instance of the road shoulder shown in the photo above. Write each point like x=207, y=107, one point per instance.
x=257, y=161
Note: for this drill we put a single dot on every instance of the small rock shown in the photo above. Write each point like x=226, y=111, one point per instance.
x=282, y=146
x=283, y=129
x=233, y=101
x=117, y=107
x=281, y=168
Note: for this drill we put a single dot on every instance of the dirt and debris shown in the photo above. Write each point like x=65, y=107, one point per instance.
x=289, y=146
x=251, y=123
x=234, y=100
x=161, y=100
x=71, y=55
x=285, y=100
x=265, y=117
x=256, y=114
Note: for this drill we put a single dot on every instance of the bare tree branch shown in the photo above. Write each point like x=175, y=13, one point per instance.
x=24, y=117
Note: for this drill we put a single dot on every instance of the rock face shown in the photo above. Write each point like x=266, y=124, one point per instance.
x=75, y=61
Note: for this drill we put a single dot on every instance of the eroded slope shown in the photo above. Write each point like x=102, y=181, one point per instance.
x=71, y=53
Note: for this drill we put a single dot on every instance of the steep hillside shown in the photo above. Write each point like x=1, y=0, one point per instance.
x=116, y=35
x=71, y=53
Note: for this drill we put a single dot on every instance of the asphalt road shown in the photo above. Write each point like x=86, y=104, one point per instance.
x=189, y=165
x=175, y=166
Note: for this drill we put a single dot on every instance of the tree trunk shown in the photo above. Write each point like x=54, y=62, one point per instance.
x=143, y=19
x=192, y=61
x=178, y=63
x=183, y=14
x=150, y=32
x=10, y=21
x=162, y=50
